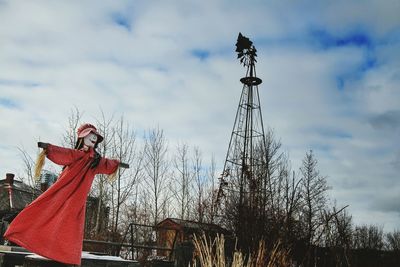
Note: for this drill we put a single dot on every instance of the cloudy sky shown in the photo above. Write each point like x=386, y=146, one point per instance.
x=330, y=71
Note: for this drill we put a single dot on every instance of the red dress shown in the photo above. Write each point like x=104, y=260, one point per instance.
x=53, y=224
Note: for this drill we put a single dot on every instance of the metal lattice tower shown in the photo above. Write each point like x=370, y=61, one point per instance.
x=240, y=181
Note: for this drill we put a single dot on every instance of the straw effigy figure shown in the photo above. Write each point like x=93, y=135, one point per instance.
x=53, y=225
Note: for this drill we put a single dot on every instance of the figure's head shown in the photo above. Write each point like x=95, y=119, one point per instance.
x=88, y=136
x=90, y=140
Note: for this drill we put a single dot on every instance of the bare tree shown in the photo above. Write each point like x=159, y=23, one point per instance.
x=199, y=185
x=337, y=235
x=313, y=188
x=272, y=155
x=368, y=237
x=124, y=149
x=314, y=197
x=182, y=179
x=100, y=187
x=291, y=207
x=156, y=169
x=341, y=230
x=393, y=240
x=211, y=192
x=28, y=171
x=74, y=121
x=138, y=211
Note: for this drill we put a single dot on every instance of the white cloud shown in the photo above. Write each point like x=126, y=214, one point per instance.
x=136, y=58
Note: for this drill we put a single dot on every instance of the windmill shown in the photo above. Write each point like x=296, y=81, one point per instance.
x=240, y=188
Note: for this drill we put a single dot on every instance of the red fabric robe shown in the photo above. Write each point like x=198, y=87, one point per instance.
x=53, y=224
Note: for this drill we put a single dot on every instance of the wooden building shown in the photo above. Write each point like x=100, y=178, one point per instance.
x=14, y=197
x=172, y=232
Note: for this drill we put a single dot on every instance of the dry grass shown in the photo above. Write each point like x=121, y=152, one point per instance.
x=211, y=253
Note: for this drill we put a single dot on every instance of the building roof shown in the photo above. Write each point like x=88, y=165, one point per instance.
x=21, y=194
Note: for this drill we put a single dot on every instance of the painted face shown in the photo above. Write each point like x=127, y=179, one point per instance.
x=90, y=140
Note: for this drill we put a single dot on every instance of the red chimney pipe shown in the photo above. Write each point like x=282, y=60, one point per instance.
x=10, y=181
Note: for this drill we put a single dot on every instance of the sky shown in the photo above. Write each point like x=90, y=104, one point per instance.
x=330, y=71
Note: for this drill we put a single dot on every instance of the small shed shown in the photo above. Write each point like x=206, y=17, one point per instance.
x=172, y=232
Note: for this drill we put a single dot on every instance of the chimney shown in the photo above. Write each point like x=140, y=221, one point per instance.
x=10, y=178
x=10, y=181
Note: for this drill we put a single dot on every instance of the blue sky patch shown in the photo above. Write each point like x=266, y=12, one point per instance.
x=121, y=20
x=18, y=83
x=340, y=81
x=368, y=63
x=321, y=147
x=355, y=39
x=200, y=54
x=8, y=103
x=326, y=40
x=333, y=133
